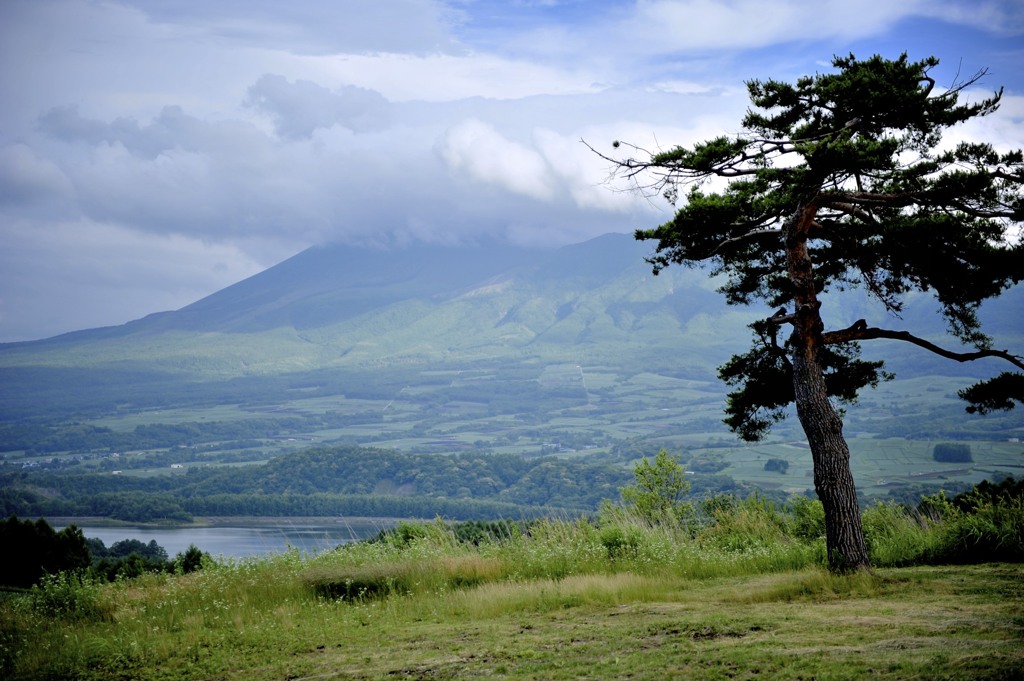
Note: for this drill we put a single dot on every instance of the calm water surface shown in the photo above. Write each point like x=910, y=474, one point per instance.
x=244, y=540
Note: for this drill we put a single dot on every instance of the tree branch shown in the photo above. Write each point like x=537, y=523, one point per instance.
x=861, y=331
x=753, y=234
x=852, y=210
x=835, y=199
x=847, y=202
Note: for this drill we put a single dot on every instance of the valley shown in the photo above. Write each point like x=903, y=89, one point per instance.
x=586, y=422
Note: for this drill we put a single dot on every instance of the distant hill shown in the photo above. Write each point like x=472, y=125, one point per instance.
x=344, y=308
x=338, y=305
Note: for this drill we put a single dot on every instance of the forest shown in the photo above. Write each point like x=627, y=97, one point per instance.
x=339, y=480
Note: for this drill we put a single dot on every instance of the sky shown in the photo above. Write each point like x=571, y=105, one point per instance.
x=153, y=152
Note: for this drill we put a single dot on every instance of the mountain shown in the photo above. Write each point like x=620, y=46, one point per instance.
x=338, y=305
x=380, y=316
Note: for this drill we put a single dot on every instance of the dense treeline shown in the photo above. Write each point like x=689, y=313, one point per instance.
x=545, y=481
x=366, y=505
x=952, y=453
x=81, y=438
x=986, y=491
x=35, y=550
x=346, y=480
x=155, y=507
x=133, y=506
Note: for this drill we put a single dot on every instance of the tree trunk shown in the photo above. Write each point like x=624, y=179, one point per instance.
x=833, y=481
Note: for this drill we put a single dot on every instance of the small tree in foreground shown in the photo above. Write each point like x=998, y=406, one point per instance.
x=837, y=182
x=658, y=490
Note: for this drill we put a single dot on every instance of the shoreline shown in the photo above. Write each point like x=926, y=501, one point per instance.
x=231, y=521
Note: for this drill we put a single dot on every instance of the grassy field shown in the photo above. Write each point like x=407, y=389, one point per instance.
x=900, y=624
x=742, y=597
x=683, y=415
x=879, y=465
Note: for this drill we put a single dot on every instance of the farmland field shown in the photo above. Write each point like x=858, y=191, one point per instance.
x=559, y=409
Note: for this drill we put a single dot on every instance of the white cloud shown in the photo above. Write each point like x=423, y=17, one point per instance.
x=301, y=107
x=183, y=134
x=306, y=27
x=691, y=25
x=445, y=77
x=482, y=153
x=1003, y=130
x=1000, y=16
x=25, y=178
x=45, y=290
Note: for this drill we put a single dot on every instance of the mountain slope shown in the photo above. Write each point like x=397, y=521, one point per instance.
x=338, y=305
x=339, y=308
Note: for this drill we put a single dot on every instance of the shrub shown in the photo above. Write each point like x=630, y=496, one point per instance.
x=808, y=518
x=937, y=507
x=38, y=549
x=406, y=534
x=659, y=487
x=377, y=580
x=70, y=596
x=480, y=532
x=751, y=523
x=621, y=542
x=1006, y=488
x=190, y=560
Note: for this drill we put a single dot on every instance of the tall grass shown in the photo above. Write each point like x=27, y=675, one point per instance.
x=189, y=625
x=981, y=528
x=899, y=536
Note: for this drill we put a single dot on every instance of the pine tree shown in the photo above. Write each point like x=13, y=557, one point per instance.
x=838, y=181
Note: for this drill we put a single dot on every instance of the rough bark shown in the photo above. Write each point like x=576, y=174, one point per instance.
x=833, y=480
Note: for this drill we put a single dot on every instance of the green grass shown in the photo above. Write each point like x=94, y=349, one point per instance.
x=745, y=596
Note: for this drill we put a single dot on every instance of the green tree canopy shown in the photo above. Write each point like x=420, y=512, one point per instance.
x=658, y=488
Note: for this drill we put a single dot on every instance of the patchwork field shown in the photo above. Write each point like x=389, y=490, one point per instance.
x=564, y=410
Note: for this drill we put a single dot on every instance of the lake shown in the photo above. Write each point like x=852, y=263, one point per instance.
x=246, y=537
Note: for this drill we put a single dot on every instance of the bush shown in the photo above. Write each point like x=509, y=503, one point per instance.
x=937, y=507
x=751, y=523
x=35, y=549
x=70, y=596
x=190, y=560
x=621, y=542
x=777, y=465
x=808, y=518
x=1007, y=488
x=656, y=495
